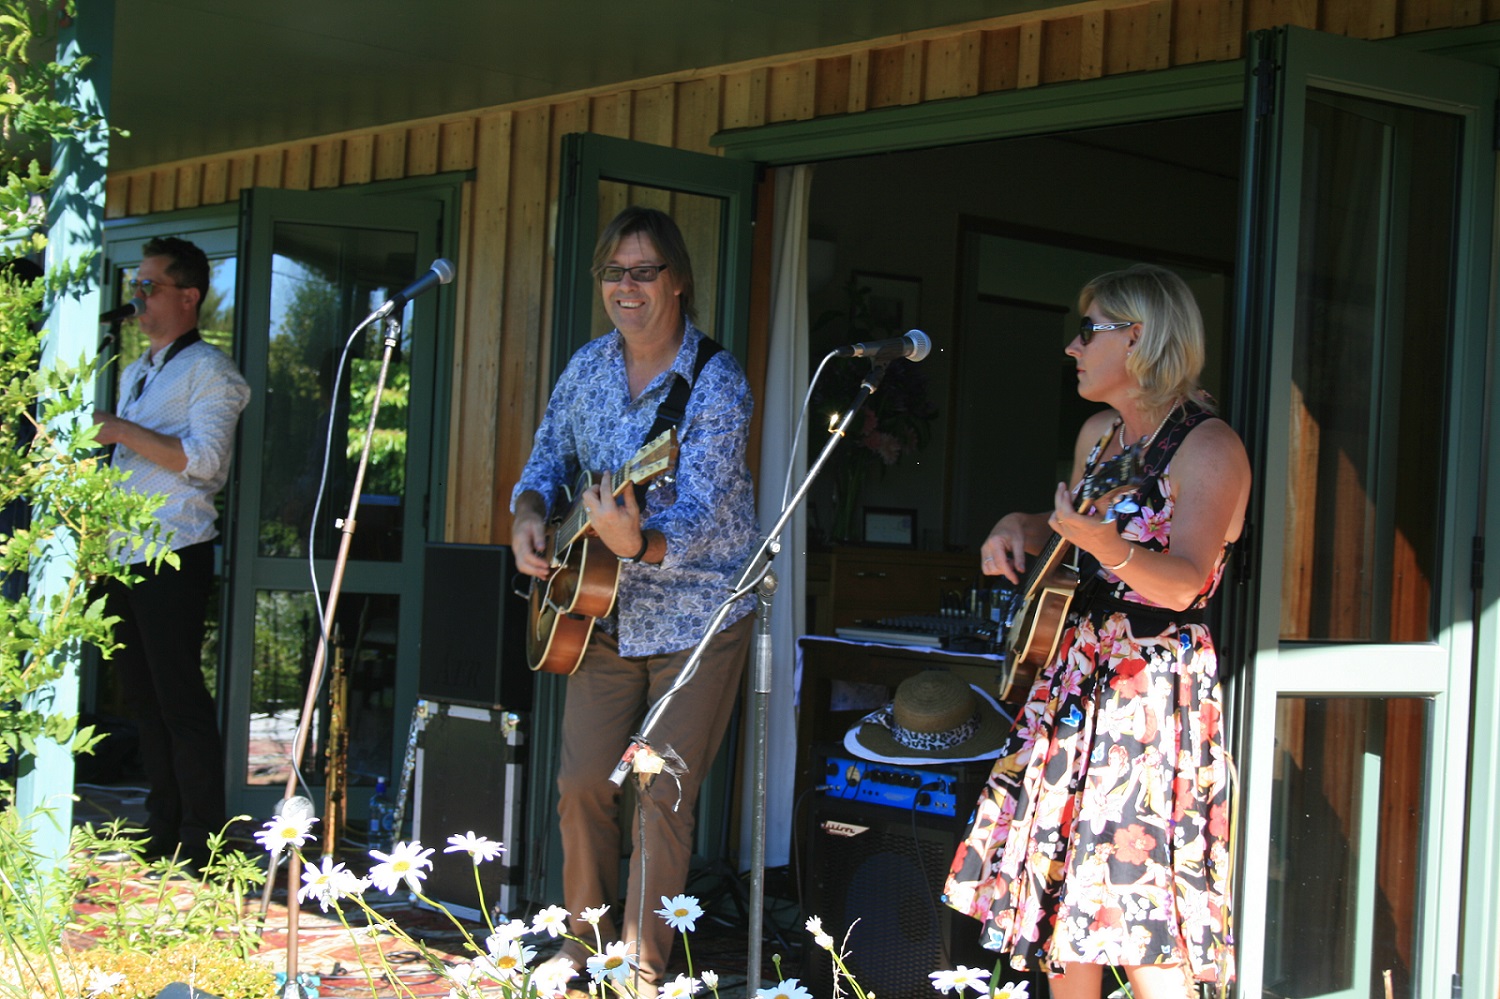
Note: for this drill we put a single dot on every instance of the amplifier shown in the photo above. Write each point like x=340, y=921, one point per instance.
x=469, y=769
x=912, y=789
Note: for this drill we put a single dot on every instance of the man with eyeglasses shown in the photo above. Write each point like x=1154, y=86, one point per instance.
x=680, y=545
x=173, y=432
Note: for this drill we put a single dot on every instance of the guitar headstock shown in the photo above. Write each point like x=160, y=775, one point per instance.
x=1120, y=474
x=657, y=457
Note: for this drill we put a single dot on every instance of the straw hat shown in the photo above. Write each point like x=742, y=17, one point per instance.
x=935, y=716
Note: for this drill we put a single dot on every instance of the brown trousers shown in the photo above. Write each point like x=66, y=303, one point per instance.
x=607, y=699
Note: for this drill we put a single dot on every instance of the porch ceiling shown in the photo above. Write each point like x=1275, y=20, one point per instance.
x=194, y=77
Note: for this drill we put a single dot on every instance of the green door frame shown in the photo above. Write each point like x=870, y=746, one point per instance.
x=1285, y=64
x=261, y=210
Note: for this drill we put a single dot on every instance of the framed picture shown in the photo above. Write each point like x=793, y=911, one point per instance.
x=895, y=302
x=890, y=526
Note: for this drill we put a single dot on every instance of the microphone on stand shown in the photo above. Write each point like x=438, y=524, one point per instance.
x=441, y=272
x=129, y=310
x=914, y=346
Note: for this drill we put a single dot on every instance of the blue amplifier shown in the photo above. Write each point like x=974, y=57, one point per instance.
x=912, y=789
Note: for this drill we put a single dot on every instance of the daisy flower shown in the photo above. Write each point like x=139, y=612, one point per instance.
x=819, y=935
x=553, y=919
x=403, y=863
x=711, y=979
x=1012, y=990
x=329, y=883
x=680, y=987
x=615, y=963
x=508, y=962
x=506, y=931
x=592, y=916
x=680, y=911
x=280, y=833
x=959, y=979
x=478, y=847
x=551, y=978
x=788, y=989
x=103, y=982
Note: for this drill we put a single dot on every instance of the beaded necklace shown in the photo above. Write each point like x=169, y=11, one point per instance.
x=1146, y=442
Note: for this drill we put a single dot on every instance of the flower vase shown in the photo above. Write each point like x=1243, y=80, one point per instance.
x=848, y=483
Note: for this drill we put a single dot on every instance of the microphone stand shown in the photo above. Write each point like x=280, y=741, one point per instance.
x=756, y=575
x=315, y=680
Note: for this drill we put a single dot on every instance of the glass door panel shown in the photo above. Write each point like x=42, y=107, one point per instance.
x=1344, y=850
x=314, y=266
x=1374, y=329
x=1367, y=166
x=324, y=280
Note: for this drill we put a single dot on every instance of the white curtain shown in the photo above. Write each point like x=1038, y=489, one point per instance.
x=786, y=381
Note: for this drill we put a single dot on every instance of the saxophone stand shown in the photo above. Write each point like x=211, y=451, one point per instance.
x=758, y=577
x=293, y=989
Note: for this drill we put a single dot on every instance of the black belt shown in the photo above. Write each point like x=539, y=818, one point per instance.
x=1104, y=603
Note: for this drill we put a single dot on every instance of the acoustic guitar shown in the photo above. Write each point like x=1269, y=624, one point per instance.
x=1034, y=621
x=585, y=574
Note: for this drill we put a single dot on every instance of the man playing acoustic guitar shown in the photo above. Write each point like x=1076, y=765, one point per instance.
x=679, y=552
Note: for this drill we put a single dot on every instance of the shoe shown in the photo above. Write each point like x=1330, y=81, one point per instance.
x=113, y=856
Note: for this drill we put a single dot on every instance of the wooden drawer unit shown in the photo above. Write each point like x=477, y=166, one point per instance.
x=850, y=585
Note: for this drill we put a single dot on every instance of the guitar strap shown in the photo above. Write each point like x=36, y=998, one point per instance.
x=671, y=410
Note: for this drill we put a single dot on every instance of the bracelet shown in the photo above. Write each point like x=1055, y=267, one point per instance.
x=1129, y=554
x=645, y=546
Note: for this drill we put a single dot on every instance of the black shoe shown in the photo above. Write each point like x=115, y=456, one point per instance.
x=113, y=856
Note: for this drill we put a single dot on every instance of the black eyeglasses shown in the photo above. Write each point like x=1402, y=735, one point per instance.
x=644, y=274
x=146, y=287
x=1087, y=328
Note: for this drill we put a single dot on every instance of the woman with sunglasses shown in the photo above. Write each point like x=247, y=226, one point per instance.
x=1101, y=837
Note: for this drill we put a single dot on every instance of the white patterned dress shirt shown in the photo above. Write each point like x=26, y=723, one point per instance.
x=197, y=397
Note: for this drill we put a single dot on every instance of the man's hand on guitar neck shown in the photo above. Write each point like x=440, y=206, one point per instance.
x=617, y=522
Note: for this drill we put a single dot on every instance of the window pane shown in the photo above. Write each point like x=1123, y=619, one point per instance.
x=1373, y=329
x=1349, y=781
x=325, y=280
x=361, y=671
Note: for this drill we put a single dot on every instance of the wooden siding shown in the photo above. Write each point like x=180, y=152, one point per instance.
x=512, y=152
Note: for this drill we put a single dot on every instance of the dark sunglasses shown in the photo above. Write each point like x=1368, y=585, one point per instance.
x=147, y=287
x=1087, y=328
x=644, y=274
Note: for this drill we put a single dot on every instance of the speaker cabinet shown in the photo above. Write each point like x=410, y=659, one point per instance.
x=473, y=629
x=885, y=868
x=469, y=770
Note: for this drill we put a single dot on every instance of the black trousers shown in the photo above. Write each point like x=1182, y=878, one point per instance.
x=161, y=630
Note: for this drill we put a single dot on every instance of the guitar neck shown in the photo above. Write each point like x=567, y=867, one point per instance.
x=576, y=522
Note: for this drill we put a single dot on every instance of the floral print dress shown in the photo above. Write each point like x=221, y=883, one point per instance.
x=1102, y=833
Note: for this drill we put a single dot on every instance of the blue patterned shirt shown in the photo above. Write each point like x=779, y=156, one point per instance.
x=706, y=510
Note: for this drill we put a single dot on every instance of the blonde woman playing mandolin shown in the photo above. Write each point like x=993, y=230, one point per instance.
x=1102, y=835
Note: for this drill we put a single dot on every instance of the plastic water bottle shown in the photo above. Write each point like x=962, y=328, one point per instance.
x=382, y=819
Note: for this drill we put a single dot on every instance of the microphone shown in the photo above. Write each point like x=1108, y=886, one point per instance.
x=441, y=272
x=914, y=346
x=129, y=310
